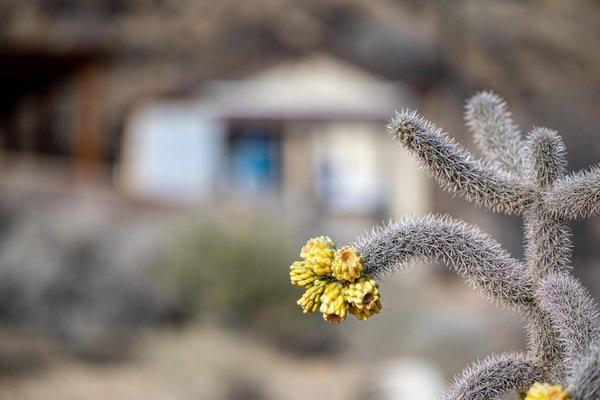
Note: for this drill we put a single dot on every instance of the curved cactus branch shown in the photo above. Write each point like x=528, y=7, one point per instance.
x=495, y=377
x=494, y=131
x=456, y=170
x=473, y=254
x=573, y=314
x=585, y=383
x=575, y=196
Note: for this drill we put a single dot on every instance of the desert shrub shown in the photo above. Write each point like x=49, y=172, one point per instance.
x=231, y=271
x=77, y=273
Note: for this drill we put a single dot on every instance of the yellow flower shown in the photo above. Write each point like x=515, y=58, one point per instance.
x=334, y=281
x=364, y=313
x=318, y=253
x=347, y=264
x=310, y=300
x=544, y=391
x=363, y=293
x=333, y=304
x=301, y=274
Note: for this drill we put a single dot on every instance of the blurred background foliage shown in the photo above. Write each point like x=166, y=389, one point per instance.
x=232, y=274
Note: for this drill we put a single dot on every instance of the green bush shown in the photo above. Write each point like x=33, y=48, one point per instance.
x=234, y=271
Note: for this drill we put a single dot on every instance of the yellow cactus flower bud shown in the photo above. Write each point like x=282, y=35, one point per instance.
x=364, y=313
x=347, y=264
x=333, y=304
x=545, y=391
x=318, y=253
x=301, y=274
x=363, y=293
x=311, y=299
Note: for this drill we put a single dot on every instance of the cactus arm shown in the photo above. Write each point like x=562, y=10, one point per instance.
x=495, y=377
x=573, y=314
x=456, y=170
x=494, y=131
x=545, y=157
x=474, y=255
x=585, y=384
x=548, y=244
x=544, y=345
x=575, y=196
x=562, y=323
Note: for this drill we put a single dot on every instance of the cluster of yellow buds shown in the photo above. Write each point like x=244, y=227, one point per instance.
x=545, y=391
x=334, y=281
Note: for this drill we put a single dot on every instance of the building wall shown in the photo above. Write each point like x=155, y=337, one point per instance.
x=171, y=153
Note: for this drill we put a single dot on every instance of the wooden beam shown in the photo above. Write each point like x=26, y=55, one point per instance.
x=87, y=144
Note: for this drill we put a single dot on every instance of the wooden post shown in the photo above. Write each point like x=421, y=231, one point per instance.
x=87, y=144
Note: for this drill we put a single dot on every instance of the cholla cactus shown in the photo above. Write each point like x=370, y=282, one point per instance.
x=522, y=176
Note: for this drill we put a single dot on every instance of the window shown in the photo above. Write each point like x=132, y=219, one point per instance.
x=254, y=160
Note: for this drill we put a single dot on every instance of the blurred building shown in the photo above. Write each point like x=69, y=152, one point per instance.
x=308, y=133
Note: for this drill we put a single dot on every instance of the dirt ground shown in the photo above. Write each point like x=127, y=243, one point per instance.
x=198, y=363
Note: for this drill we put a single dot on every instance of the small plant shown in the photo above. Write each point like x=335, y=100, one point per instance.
x=229, y=275
x=518, y=176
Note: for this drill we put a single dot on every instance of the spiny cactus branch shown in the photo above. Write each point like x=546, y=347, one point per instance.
x=575, y=196
x=573, y=314
x=457, y=170
x=544, y=344
x=585, y=383
x=494, y=131
x=547, y=242
x=547, y=247
x=473, y=254
x=545, y=157
x=495, y=377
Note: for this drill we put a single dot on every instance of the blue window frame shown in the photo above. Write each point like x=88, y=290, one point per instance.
x=255, y=160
